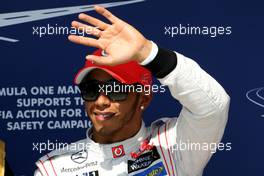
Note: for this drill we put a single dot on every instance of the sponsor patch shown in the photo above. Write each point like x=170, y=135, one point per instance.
x=118, y=151
x=83, y=166
x=79, y=157
x=156, y=170
x=143, y=161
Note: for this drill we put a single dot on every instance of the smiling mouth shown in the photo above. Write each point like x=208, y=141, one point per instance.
x=104, y=116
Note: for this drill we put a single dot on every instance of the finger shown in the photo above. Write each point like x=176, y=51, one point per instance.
x=94, y=21
x=84, y=41
x=86, y=28
x=107, y=14
x=100, y=60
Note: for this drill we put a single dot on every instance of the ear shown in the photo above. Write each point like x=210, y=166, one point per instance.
x=145, y=100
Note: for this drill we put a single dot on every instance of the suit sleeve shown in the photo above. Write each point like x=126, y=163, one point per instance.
x=204, y=113
x=37, y=173
x=42, y=167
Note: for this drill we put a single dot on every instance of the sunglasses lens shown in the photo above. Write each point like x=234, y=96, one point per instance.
x=89, y=91
x=117, y=94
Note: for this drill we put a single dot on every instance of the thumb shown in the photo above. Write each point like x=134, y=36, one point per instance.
x=100, y=60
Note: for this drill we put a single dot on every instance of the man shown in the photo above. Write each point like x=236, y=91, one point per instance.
x=118, y=142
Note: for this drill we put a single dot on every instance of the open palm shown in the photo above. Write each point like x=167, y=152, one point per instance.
x=121, y=41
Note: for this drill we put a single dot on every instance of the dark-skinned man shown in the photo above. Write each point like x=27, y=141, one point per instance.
x=118, y=143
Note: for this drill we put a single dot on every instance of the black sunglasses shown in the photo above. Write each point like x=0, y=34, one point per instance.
x=90, y=90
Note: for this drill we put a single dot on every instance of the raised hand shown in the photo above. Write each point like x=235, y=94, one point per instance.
x=121, y=41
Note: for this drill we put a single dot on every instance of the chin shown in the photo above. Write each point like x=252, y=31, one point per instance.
x=106, y=130
x=105, y=127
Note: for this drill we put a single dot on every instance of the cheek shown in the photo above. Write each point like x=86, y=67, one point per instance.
x=129, y=105
x=116, y=107
x=88, y=107
x=124, y=108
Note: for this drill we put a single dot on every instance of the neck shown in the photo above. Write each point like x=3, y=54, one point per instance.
x=127, y=131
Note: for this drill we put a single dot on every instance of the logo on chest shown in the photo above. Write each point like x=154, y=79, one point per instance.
x=143, y=161
x=80, y=156
x=118, y=151
x=156, y=170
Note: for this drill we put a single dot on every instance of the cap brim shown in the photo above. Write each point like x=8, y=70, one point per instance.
x=85, y=71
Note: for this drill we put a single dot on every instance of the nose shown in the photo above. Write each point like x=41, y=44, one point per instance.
x=102, y=101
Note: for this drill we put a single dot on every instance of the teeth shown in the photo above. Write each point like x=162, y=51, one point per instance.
x=104, y=116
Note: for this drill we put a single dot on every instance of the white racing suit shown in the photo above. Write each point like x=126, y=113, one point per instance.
x=201, y=123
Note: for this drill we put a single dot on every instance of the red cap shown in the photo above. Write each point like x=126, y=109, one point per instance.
x=128, y=73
